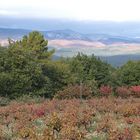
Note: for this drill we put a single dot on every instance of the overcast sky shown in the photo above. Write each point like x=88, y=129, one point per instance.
x=114, y=10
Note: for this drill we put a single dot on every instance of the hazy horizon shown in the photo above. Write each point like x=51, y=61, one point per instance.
x=115, y=25
x=87, y=27
x=84, y=16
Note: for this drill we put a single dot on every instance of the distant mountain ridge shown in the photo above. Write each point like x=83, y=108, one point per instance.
x=119, y=60
x=69, y=35
x=65, y=34
x=12, y=33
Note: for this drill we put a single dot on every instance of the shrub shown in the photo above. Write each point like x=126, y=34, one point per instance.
x=105, y=90
x=72, y=133
x=74, y=91
x=128, y=110
x=125, y=134
x=123, y=91
x=4, y=101
x=135, y=91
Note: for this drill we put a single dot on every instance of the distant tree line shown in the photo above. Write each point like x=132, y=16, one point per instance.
x=27, y=68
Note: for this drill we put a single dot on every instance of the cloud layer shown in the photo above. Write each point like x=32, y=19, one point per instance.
x=116, y=10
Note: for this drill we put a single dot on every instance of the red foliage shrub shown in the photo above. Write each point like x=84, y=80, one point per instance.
x=105, y=90
x=123, y=91
x=39, y=112
x=135, y=91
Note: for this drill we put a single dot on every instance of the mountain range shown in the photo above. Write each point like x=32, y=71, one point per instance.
x=69, y=35
x=112, y=48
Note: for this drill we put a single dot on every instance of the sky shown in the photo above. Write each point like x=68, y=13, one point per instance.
x=89, y=10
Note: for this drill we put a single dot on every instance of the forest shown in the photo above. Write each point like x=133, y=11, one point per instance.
x=27, y=68
x=66, y=99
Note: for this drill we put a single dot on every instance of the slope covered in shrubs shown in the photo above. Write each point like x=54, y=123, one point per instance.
x=96, y=118
x=27, y=68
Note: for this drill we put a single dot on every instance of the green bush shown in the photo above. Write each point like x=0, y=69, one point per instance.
x=4, y=101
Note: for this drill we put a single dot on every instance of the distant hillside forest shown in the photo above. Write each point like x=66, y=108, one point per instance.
x=27, y=68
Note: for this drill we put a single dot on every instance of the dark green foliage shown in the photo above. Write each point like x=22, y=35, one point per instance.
x=59, y=76
x=4, y=101
x=90, y=70
x=26, y=68
x=129, y=74
x=20, y=71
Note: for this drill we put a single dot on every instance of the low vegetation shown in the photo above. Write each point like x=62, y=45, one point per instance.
x=101, y=119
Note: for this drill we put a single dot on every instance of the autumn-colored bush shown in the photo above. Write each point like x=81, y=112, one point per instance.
x=136, y=130
x=124, y=134
x=112, y=118
x=135, y=91
x=72, y=133
x=123, y=91
x=74, y=91
x=128, y=110
x=105, y=90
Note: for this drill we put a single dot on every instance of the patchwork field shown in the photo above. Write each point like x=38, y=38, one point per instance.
x=72, y=47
